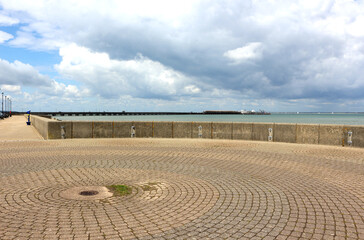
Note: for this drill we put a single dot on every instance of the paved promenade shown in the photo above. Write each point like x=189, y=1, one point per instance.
x=15, y=128
x=181, y=189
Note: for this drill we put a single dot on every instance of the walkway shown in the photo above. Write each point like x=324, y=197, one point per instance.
x=15, y=128
x=181, y=189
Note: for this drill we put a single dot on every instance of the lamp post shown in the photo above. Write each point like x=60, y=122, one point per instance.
x=5, y=104
x=2, y=103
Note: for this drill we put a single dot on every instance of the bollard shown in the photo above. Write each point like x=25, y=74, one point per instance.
x=350, y=135
x=132, y=131
x=270, y=134
x=28, y=123
x=200, y=131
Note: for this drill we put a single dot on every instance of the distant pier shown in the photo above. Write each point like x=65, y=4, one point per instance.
x=123, y=113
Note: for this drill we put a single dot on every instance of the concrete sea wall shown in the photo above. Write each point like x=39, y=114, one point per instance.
x=41, y=124
x=344, y=135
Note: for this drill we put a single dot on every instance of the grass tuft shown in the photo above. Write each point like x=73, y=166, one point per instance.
x=120, y=190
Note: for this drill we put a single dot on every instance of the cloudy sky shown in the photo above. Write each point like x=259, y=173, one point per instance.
x=190, y=55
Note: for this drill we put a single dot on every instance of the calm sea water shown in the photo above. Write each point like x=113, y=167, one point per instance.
x=336, y=118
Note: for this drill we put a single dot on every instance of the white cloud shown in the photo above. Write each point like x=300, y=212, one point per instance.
x=27, y=38
x=57, y=89
x=140, y=77
x=250, y=51
x=7, y=21
x=356, y=28
x=4, y=36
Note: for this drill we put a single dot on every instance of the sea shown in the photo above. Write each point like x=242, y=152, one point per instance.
x=308, y=118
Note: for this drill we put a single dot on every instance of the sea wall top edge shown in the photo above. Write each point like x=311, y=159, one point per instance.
x=258, y=123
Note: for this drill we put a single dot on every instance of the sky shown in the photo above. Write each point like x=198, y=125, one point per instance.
x=190, y=55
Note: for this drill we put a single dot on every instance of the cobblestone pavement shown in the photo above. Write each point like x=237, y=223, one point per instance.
x=181, y=189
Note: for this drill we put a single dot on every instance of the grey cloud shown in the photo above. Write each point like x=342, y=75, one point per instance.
x=19, y=73
x=300, y=59
x=289, y=46
x=14, y=76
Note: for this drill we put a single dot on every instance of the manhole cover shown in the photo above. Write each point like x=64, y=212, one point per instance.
x=88, y=193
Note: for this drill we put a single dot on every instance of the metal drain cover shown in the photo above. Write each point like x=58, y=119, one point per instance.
x=86, y=193
x=89, y=193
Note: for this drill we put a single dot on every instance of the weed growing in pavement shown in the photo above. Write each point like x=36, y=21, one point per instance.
x=120, y=190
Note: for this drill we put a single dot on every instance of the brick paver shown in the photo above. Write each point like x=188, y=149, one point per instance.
x=182, y=189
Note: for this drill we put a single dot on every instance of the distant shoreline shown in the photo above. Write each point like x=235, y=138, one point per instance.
x=104, y=113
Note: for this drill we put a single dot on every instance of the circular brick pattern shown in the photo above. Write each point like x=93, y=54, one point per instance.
x=159, y=201
x=180, y=189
